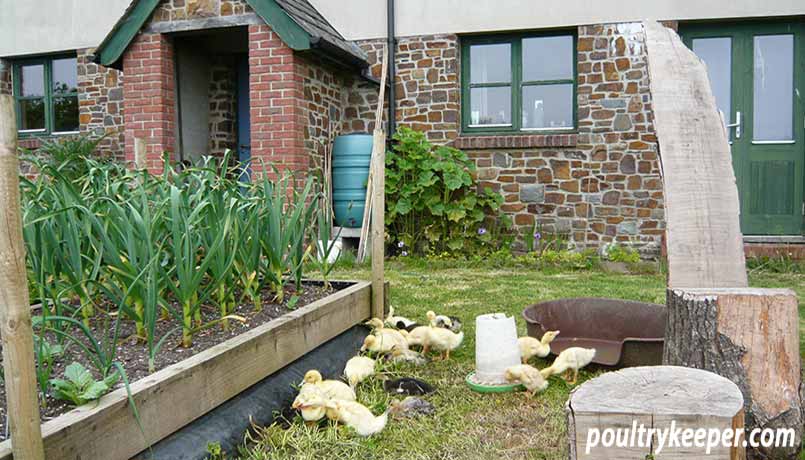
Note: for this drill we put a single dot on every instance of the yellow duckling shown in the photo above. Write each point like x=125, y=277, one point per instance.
x=310, y=402
x=357, y=416
x=358, y=369
x=442, y=340
x=570, y=361
x=383, y=340
x=528, y=376
x=331, y=389
x=417, y=337
x=375, y=323
x=529, y=346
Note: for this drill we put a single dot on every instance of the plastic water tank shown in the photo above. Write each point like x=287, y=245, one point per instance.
x=352, y=154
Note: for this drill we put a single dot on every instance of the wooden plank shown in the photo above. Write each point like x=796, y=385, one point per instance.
x=705, y=245
x=19, y=373
x=655, y=397
x=378, y=192
x=175, y=396
x=218, y=22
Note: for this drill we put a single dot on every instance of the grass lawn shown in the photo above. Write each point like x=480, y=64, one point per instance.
x=469, y=425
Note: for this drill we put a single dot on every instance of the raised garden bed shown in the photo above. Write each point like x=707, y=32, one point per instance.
x=174, y=396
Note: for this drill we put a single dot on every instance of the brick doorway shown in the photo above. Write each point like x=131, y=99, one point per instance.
x=206, y=79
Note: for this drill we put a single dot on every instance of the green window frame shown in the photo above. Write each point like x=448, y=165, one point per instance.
x=517, y=82
x=51, y=97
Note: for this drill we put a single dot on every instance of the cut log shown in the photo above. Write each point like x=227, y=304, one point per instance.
x=600, y=412
x=705, y=245
x=751, y=337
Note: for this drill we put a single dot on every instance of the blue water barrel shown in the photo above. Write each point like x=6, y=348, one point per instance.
x=352, y=154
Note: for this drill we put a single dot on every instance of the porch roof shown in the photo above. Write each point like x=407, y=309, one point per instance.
x=298, y=23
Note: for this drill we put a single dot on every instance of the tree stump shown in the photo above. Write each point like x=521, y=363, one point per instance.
x=617, y=404
x=751, y=337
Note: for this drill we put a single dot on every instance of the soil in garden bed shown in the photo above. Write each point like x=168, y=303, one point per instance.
x=133, y=354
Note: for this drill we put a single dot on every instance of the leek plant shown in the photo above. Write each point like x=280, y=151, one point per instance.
x=285, y=217
x=190, y=258
x=108, y=244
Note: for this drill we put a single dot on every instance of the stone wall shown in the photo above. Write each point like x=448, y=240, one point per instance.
x=597, y=185
x=100, y=101
x=427, y=87
x=177, y=10
x=5, y=77
x=223, y=105
x=324, y=102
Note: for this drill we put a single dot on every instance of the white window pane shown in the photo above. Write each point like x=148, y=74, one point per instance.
x=65, y=77
x=717, y=55
x=490, y=106
x=548, y=58
x=490, y=63
x=774, y=86
x=548, y=106
x=32, y=80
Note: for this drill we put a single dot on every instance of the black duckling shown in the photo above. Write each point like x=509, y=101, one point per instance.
x=408, y=386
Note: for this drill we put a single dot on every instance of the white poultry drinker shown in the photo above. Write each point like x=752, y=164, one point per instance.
x=496, y=350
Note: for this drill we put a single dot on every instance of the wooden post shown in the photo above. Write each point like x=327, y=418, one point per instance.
x=15, y=309
x=750, y=336
x=379, y=199
x=140, y=156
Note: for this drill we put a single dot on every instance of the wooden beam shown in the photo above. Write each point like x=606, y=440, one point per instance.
x=218, y=22
x=705, y=246
x=171, y=398
x=22, y=398
x=378, y=200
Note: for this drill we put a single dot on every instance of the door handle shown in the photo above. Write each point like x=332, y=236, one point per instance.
x=736, y=125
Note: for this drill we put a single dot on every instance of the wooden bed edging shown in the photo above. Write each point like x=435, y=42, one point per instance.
x=175, y=396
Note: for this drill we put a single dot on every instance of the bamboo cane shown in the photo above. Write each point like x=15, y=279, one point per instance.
x=378, y=199
x=15, y=309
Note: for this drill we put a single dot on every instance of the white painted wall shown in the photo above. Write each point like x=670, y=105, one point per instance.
x=46, y=26
x=360, y=19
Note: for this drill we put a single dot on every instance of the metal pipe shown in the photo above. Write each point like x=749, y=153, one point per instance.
x=392, y=48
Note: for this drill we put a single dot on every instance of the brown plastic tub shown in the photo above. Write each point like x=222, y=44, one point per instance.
x=624, y=333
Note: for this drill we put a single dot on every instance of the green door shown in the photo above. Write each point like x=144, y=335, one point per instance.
x=757, y=72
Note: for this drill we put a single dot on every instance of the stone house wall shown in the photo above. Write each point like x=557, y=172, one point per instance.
x=177, y=10
x=597, y=185
x=5, y=77
x=100, y=104
x=324, y=101
x=223, y=105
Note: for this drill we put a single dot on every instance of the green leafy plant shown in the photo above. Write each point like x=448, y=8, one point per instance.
x=619, y=253
x=79, y=386
x=46, y=354
x=432, y=202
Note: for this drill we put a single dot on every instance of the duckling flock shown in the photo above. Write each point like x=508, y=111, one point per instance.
x=393, y=339
x=567, y=362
